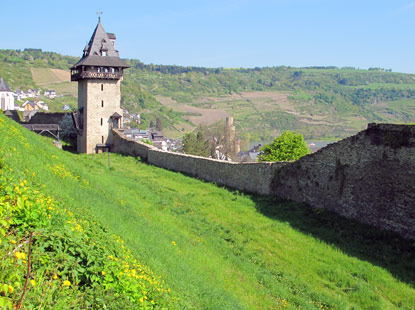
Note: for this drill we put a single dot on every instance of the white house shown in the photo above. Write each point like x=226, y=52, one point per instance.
x=19, y=95
x=43, y=105
x=6, y=96
x=50, y=94
x=31, y=93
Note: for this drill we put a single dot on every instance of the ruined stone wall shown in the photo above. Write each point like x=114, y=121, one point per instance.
x=122, y=145
x=369, y=177
x=249, y=177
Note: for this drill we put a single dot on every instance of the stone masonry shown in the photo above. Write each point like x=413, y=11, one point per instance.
x=99, y=99
x=369, y=177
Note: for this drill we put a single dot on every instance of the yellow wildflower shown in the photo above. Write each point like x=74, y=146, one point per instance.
x=10, y=289
x=33, y=282
x=103, y=273
x=13, y=241
x=174, y=243
x=66, y=283
x=55, y=276
x=20, y=255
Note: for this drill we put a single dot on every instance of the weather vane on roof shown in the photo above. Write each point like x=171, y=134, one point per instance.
x=99, y=13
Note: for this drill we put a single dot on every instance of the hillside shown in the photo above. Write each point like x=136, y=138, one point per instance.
x=214, y=248
x=319, y=102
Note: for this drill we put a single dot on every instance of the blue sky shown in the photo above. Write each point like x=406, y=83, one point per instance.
x=225, y=33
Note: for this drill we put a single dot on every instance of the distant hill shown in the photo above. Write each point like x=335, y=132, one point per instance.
x=319, y=102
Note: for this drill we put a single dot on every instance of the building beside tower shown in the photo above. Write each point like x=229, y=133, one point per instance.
x=6, y=96
x=99, y=74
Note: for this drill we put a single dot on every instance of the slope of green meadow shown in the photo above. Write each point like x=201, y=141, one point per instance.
x=215, y=248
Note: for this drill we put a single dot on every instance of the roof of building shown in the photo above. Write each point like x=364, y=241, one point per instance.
x=31, y=103
x=3, y=85
x=115, y=115
x=98, y=46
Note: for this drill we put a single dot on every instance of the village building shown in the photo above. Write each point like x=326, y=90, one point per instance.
x=50, y=94
x=32, y=93
x=6, y=96
x=30, y=105
x=19, y=95
x=99, y=74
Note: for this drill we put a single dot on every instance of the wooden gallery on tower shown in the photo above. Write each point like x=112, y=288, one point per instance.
x=99, y=74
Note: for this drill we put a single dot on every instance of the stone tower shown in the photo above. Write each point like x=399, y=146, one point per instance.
x=229, y=135
x=99, y=74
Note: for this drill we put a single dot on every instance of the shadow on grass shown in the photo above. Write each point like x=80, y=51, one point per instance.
x=381, y=248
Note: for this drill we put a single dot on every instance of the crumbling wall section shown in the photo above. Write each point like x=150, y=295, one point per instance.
x=369, y=177
x=123, y=145
x=250, y=177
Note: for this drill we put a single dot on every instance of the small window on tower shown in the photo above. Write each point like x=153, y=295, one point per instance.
x=104, y=53
x=102, y=139
x=102, y=87
x=102, y=103
x=101, y=122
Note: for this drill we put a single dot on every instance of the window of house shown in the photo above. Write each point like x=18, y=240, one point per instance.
x=102, y=121
x=102, y=87
x=102, y=103
x=102, y=139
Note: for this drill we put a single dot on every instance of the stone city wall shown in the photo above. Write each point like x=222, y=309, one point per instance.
x=250, y=177
x=123, y=145
x=369, y=177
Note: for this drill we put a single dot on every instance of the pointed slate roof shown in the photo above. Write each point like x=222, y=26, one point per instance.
x=3, y=85
x=99, y=45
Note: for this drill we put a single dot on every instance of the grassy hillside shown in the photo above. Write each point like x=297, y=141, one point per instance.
x=214, y=248
x=323, y=102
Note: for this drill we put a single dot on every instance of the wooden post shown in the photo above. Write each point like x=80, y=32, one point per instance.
x=109, y=160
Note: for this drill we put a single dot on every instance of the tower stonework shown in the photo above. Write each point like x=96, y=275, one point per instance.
x=99, y=74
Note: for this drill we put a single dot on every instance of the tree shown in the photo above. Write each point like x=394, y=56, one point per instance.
x=159, y=124
x=289, y=146
x=196, y=144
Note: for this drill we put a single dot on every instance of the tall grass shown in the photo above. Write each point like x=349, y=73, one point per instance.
x=223, y=249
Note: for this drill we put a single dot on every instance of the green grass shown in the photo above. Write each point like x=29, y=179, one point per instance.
x=222, y=249
x=375, y=86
